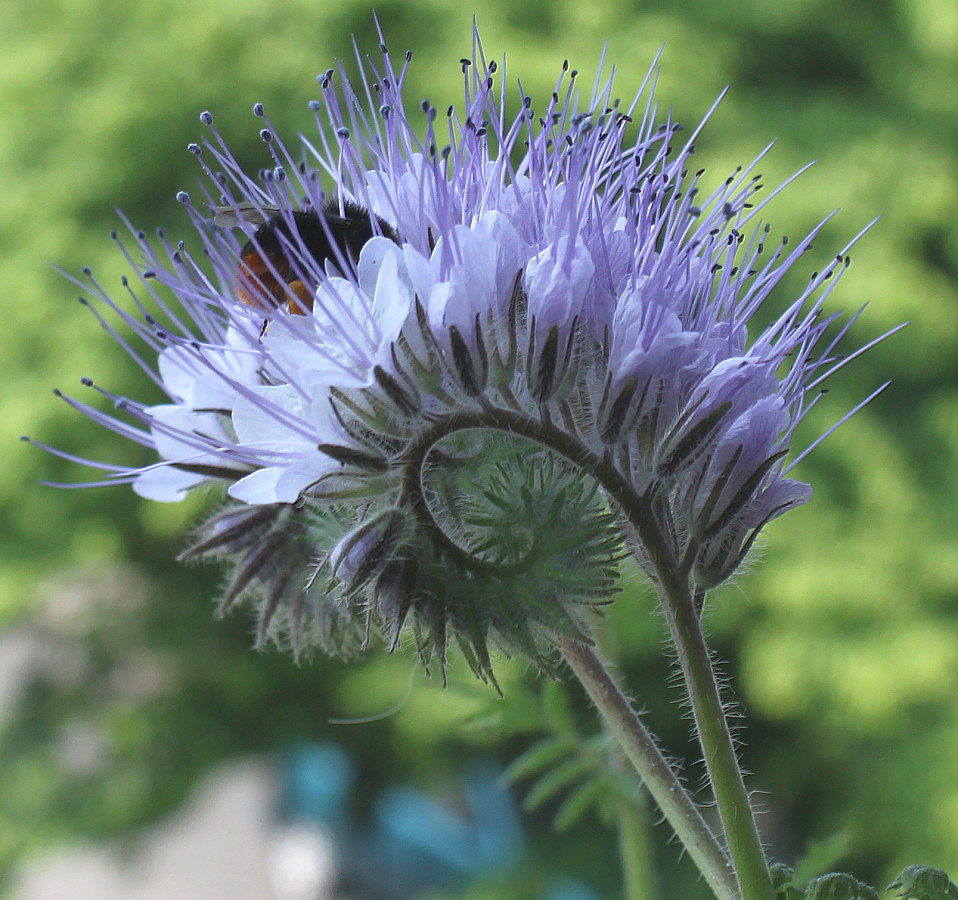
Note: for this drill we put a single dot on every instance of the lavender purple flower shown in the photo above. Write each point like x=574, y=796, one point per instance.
x=462, y=423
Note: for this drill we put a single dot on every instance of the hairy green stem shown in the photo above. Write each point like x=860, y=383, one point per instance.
x=721, y=761
x=640, y=747
x=728, y=784
x=634, y=850
x=715, y=738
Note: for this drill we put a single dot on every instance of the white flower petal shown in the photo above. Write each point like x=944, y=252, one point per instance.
x=259, y=487
x=165, y=484
x=182, y=435
x=178, y=369
x=557, y=281
x=273, y=418
x=304, y=473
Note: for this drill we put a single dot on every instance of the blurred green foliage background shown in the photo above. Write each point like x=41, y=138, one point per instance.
x=841, y=644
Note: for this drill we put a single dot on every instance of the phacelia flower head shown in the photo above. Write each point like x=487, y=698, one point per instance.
x=445, y=365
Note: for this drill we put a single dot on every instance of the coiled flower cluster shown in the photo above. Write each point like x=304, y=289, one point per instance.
x=523, y=352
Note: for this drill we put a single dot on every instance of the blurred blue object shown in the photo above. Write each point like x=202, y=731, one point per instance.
x=424, y=843
x=485, y=837
x=413, y=841
x=568, y=889
x=316, y=782
x=497, y=825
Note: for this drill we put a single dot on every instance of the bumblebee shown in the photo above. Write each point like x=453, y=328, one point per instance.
x=273, y=259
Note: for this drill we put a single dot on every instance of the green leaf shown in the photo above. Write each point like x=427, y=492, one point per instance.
x=924, y=883
x=839, y=886
x=555, y=781
x=579, y=801
x=538, y=757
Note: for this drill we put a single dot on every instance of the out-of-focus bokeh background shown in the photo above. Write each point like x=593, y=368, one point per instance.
x=123, y=703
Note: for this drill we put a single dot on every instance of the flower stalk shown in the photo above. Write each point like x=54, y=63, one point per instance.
x=682, y=610
x=715, y=739
x=640, y=747
x=635, y=851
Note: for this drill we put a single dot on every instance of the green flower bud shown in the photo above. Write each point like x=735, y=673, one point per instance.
x=782, y=881
x=363, y=553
